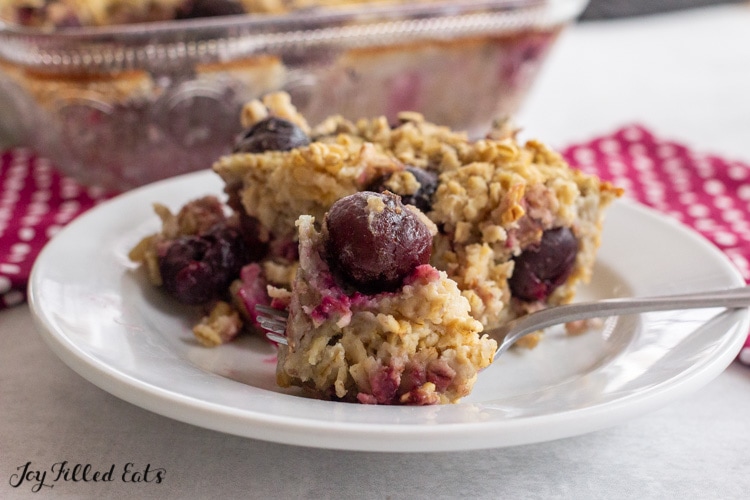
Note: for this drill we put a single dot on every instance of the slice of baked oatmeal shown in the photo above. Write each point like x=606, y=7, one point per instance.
x=409, y=340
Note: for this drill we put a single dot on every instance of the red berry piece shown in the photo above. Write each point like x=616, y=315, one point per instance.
x=198, y=269
x=250, y=229
x=540, y=269
x=422, y=198
x=373, y=241
x=271, y=134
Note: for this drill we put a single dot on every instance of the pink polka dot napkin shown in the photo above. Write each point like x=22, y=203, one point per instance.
x=35, y=202
x=705, y=192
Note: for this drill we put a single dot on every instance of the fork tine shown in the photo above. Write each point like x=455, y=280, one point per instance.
x=272, y=325
x=273, y=337
x=273, y=321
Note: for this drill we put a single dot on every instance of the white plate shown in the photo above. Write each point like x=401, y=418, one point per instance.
x=96, y=312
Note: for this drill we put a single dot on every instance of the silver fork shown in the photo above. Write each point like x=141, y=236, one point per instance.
x=273, y=321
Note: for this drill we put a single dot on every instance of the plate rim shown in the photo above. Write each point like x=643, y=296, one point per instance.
x=344, y=435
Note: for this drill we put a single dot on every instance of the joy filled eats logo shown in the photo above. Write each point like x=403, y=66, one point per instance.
x=61, y=472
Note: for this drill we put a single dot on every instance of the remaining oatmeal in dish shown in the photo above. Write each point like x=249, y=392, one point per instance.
x=163, y=100
x=391, y=245
x=77, y=13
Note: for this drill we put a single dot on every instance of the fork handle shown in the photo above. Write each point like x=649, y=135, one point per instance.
x=730, y=298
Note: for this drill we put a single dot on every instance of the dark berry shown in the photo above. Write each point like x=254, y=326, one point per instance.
x=271, y=134
x=422, y=198
x=199, y=268
x=209, y=8
x=251, y=230
x=373, y=241
x=541, y=268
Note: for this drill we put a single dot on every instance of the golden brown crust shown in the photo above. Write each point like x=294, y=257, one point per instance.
x=495, y=197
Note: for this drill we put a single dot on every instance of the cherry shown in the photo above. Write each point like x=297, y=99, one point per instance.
x=541, y=268
x=422, y=198
x=250, y=229
x=271, y=134
x=196, y=269
x=373, y=241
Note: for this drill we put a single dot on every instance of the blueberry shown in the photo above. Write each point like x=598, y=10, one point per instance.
x=373, y=241
x=422, y=198
x=271, y=134
x=199, y=268
x=541, y=268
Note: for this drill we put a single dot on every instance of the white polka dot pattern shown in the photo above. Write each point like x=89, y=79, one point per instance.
x=705, y=192
x=35, y=201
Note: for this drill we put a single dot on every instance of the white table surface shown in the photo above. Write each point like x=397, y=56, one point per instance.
x=684, y=75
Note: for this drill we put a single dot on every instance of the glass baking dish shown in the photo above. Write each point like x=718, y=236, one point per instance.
x=125, y=105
